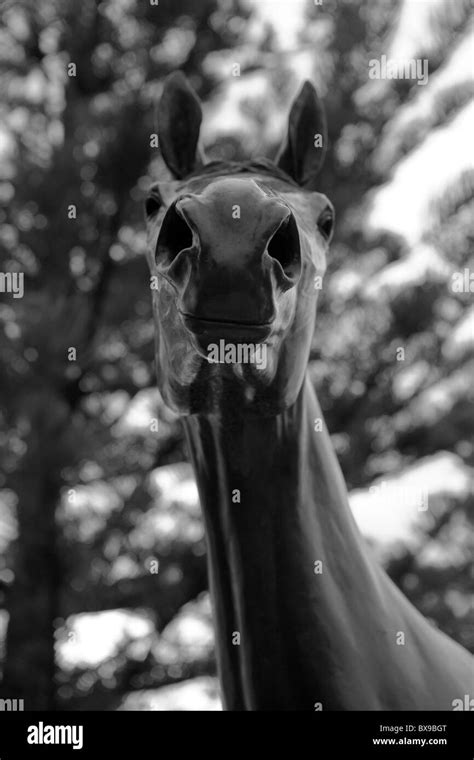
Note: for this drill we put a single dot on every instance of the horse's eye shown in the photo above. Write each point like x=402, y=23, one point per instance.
x=153, y=204
x=326, y=223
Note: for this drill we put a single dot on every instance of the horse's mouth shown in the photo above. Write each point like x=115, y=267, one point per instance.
x=215, y=329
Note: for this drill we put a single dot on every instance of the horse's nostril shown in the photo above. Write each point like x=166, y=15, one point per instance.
x=175, y=236
x=284, y=247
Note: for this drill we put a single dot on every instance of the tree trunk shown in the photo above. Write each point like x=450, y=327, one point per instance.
x=32, y=601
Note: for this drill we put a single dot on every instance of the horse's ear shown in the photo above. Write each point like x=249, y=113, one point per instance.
x=179, y=118
x=302, y=153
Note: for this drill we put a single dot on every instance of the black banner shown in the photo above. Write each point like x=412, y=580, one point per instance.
x=318, y=735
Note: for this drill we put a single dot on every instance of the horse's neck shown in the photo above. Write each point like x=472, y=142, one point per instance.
x=279, y=532
x=299, y=607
